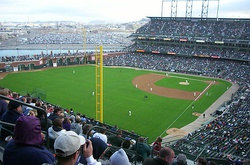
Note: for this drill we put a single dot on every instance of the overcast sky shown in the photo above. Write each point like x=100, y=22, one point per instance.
x=111, y=10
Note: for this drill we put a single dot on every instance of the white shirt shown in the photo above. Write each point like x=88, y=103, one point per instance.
x=101, y=136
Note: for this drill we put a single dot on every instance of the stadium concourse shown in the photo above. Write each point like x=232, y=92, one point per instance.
x=199, y=47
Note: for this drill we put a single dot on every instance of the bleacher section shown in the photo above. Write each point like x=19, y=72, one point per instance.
x=228, y=134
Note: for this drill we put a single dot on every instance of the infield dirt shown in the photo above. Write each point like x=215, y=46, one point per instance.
x=146, y=83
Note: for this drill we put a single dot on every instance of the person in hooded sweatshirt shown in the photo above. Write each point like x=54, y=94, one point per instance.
x=119, y=158
x=55, y=130
x=26, y=147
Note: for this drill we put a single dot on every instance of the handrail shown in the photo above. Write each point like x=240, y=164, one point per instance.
x=200, y=152
x=34, y=107
x=172, y=139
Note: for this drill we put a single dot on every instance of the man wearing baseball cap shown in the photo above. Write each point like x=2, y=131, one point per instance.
x=10, y=116
x=68, y=147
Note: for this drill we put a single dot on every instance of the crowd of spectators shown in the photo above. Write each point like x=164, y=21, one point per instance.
x=208, y=30
x=234, y=71
x=191, y=50
x=225, y=38
x=96, y=38
x=227, y=134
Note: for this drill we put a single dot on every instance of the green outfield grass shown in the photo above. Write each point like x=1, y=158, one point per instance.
x=150, y=117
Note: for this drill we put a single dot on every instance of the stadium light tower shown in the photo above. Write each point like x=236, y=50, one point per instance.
x=189, y=8
x=204, y=9
x=174, y=4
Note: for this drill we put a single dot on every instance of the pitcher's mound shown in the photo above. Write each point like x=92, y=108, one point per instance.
x=176, y=131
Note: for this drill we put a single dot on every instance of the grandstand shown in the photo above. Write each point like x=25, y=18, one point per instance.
x=188, y=46
x=213, y=47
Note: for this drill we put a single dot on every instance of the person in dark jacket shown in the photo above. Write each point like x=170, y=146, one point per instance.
x=3, y=102
x=165, y=157
x=26, y=147
x=43, y=119
x=10, y=116
x=99, y=148
x=116, y=140
x=66, y=124
x=142, y=149
x=56, y=113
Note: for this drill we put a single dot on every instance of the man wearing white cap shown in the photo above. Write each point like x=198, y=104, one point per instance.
x=68, y=147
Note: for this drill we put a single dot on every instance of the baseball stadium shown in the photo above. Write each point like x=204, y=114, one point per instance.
x=183, y=79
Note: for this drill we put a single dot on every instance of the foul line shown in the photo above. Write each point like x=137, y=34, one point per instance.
x=187, y=108
x=203, y=91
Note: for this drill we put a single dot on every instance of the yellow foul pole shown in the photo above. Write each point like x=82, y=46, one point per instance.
x=99, y=85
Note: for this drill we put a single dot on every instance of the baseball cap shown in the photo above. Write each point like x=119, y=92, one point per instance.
x=13, y=104
x=68, y=143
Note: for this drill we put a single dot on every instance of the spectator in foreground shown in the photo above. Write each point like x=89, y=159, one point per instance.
x=55, y=130
x=56, y=114
x=101, y=135
x=119, y=158
x=33, y=112
x=157, y=146
x=181, y=159
x=143, y=149
x=43, y=119
x=3, y=102
x=85, y=130
x=165, y=157
x=99, y=149
x=25, y=108
x=26, y=147
x=68, y=147
x=116, y=140
x=66, y=124
x=201, y=161
x=126, y=143
x=11, y=115
x=76, y=126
